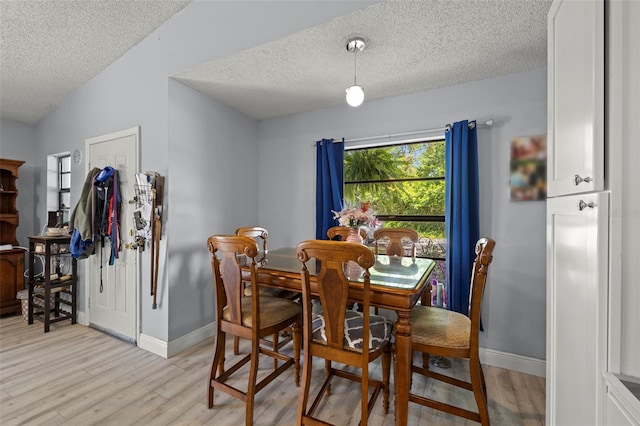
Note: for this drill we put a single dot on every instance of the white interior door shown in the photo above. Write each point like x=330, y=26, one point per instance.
x=113, y=306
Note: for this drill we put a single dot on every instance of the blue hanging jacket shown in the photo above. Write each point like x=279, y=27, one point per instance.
x=80, y=249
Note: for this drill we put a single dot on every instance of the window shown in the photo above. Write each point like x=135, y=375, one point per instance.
x=405, y=184
x=64, y=187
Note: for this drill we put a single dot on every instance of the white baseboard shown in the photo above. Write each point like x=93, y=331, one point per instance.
x=620, y=399
x=167, y=350
x=153, y=345
x=191, y=339
x=523, y=364
x=509, y=361
x=162, y=348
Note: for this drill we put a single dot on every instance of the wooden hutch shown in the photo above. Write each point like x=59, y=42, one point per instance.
x=11, y=259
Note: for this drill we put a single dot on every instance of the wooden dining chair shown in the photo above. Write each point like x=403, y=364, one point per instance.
x=337, y=334
x=250, y=317
x=394, y=238
x=261, y=236
x=343, y=233
x=440, y=332
x=258, y=233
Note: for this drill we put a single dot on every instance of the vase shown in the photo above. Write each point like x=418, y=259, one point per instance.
x=352, y=269
x=354, y=236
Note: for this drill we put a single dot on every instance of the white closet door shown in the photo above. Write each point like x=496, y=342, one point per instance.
x=575, y=123
x=577, y=259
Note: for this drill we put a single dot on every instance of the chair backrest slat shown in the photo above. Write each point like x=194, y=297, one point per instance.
x=228, y=255
x=343, y=233
x=395, y=236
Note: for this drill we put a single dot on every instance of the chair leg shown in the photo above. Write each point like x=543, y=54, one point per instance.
x=364, y=397
x=306, y=384
x=218, y=357
x=236, y=345
x=253, y=375
x=327, y=373
x=479, y=390
x=484, y=384
x=221, y=363
x=297, y=341
x=386, y=373
x=276, y=335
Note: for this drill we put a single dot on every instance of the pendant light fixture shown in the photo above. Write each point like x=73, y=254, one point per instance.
x=355, y=93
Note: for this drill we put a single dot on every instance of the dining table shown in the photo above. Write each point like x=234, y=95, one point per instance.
x=397, y=284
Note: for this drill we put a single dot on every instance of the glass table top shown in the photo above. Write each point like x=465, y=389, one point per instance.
x=389, y=271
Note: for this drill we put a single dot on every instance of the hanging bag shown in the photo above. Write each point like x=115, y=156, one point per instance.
x=103, y=184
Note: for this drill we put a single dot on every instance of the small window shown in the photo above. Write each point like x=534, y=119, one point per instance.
x=64, y=187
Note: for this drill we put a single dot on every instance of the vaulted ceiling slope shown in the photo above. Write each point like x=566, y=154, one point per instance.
x=51, y=48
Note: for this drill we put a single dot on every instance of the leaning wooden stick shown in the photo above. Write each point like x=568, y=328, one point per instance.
x=158, y=230
x=158, y=200
x=153, y=233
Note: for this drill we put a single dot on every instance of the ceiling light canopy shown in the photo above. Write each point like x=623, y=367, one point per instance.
x=355, y=93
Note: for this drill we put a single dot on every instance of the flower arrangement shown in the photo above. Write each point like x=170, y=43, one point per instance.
x=355, y=217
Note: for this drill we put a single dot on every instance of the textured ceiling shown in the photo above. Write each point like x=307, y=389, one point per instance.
x=411, y=46
x=50, y=48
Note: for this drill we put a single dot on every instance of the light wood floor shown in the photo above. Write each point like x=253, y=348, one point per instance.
x=75, y=375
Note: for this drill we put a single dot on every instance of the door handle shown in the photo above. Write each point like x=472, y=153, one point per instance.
x=582, y=205
x=577, y=179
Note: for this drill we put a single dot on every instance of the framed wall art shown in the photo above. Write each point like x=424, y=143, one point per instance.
x=528, y=168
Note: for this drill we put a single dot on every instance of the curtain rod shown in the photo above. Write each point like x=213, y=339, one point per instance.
x=480, y=125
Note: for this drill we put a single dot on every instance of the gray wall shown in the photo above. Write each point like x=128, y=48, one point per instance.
x=213, y=189
x=514, y=304
x=17, y=142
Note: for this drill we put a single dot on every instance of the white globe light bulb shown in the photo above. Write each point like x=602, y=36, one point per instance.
x=355, y=96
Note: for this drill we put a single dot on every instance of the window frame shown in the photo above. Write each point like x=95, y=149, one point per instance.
x=62, y=208
x=400, y=217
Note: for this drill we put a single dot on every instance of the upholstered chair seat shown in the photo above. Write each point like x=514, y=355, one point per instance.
x=379, y=326
x=273, y=310
x=439, y=327
x=273, y=292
